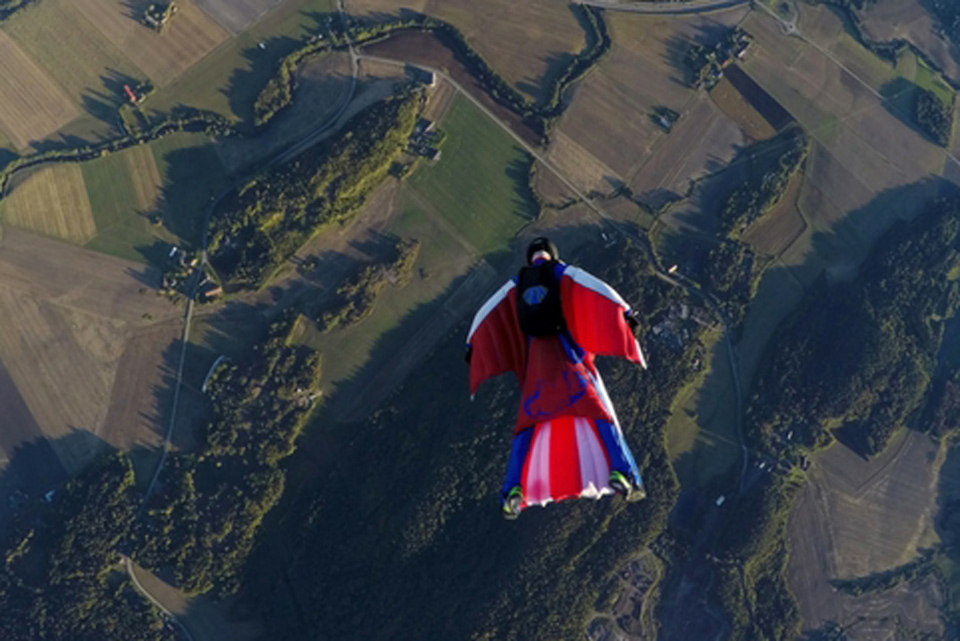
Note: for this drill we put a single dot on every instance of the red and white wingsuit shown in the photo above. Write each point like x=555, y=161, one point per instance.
x=566, y=438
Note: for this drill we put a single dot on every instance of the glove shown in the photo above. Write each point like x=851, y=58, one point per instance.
x=632, y=321
x=469, y=354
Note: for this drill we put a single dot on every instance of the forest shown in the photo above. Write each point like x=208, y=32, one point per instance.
x=934, y=116
x=203, y=520
x=820, y=376
x=62, y=579
x=263, y=223
x=948, y=14
x=430, y=511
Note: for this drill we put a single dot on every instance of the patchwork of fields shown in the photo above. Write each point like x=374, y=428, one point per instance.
x=88, y=354
x=857, y=517
x=526, y=42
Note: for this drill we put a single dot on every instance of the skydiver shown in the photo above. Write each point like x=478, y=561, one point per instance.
x=546, y=325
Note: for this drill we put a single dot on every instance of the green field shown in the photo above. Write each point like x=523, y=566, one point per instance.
x=192, y=176
x=230, y=78
x=701, y=433
x=480, y=182
x=121, y=229
x=916, y=69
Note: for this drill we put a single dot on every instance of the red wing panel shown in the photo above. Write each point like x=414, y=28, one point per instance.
x=594, y=313
x=496, y=340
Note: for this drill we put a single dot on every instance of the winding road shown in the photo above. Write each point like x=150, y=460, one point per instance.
x=667, y=8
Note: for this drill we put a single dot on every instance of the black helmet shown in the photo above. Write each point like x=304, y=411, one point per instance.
x=542, y=244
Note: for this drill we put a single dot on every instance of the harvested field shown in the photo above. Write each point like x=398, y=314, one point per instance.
x=423, y=48
x=235, y=15
x=71, y=276
x=866, y=149
x=63, y=362
x=581, y=167
x=856, y=517
x=322, y=85
x=31, y=103
x=732, y=103
x=702, y=142
x=527, y=43
x=610, y=114
x=189, y=36
x=52, y=201
x=140, y=400
x=88, y=67
x=908, y=19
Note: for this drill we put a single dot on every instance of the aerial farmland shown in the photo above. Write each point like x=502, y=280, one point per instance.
x=242, y=244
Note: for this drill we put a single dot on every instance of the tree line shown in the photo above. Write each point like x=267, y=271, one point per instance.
x=278, y=92
x=771, y=164
x=258, y=226
x=933, y=116
x=203, y=520
x=61, y=580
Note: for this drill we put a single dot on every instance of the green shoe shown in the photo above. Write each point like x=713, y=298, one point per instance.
x=622, y=484
x=511, y=504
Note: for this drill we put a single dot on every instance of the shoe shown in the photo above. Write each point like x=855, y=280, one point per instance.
x=511, y=504
x=622, y=484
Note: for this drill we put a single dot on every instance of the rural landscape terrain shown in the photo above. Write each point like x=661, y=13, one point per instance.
x=242, y=241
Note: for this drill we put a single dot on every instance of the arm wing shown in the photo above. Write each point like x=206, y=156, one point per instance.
x=594, y=313
x=497, y=345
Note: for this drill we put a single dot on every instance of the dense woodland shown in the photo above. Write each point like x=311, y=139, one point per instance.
x=771, y=165
x=730, y=272
x=61, y=579
x=360, y=556
x=821, y=375
x=751, y=556
x=934, y=116
x=356, y=297
x=203, y=519
x=269, y=218
x=947, y=13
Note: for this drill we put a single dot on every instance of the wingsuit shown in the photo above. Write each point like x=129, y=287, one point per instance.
x=546, y=325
